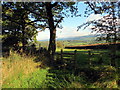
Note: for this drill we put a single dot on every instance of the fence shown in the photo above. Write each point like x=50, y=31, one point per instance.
x=92, y=59
x=67, y=59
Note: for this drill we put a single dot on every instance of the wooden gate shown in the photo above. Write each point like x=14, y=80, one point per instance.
x=67, y=60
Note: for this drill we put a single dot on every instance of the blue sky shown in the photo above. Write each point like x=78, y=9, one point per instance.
x=70, y=25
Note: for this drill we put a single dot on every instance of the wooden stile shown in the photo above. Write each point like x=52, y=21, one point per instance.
x=71, y=58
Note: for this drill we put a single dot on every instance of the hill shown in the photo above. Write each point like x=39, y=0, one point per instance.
x=82, y=38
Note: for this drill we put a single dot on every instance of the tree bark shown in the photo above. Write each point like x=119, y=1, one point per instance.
x=52, y=28
x=114, y=47
x=23, y=32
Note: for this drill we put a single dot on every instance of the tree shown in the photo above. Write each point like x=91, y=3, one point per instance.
x=45, y=14
x=108, y=25
x=109, y=31
x=50, y=15
x=60, y=44
x=17, y=27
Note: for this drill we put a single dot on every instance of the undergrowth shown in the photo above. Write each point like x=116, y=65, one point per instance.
x=21, y=71
x=27, y=72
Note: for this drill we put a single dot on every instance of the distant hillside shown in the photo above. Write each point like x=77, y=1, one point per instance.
x=82, y=38
x=72, y=41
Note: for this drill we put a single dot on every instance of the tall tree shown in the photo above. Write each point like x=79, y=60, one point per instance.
x=16, y=24
x=108, y=25
x=45, y=14
x=50, y=15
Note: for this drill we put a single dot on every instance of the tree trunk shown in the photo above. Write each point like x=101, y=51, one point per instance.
x=52, y=41
x=23, y=35
x=23, y=31
x=114, y=47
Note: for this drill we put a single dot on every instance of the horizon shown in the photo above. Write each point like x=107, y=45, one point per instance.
x=67, y=37
x=70, y=25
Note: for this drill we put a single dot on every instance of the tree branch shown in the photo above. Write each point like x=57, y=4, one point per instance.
x=92, y=7
x=12, y=19
x=55, y=4
x=32, y=11
x=59, y=21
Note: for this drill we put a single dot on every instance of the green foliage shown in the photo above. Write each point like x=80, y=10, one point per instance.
x=60, y=44
x=16, y=25
x=26, y=75
x=107, y=27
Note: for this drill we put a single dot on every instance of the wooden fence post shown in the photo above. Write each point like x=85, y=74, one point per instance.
x=75, y=62
x=100, y=61
x=64, y=65
x=89, y=53
x=39, y=48
x=61, y=55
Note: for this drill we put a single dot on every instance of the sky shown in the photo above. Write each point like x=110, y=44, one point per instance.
x=70, y=25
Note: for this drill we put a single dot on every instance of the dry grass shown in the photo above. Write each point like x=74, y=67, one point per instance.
x=16, y=65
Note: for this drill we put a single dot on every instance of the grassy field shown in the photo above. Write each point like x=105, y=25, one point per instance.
x=97, y=74
x=64, y=43
x=23, y=72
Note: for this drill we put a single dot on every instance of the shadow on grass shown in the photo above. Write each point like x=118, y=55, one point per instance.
x=62, y=75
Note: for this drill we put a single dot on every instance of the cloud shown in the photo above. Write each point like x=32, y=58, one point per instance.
x=94, y=17
x=43, y=35
x=69, y=31
x=63, y=33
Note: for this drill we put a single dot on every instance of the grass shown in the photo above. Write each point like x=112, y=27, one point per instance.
x=62, y=79
x=23, y=72
x=104, y=79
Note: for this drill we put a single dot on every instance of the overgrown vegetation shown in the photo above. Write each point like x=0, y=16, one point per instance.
x=31, y=67
x=23, y=72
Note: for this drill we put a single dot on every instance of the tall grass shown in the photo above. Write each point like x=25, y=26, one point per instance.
x=21, y=72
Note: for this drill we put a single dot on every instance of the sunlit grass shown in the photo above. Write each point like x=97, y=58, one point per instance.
x=71, y=50
x=21, y=71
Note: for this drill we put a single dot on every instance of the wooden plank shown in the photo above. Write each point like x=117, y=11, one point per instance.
x=69, y=53
x=57, y=53
x=65, y=53
x=89, y=53
x=61, y=55
x=75, y=62
x=68, y=59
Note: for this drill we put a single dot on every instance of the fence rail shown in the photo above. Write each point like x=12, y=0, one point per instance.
x=67, y=58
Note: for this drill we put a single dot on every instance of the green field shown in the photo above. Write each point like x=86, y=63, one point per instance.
x=24, y=72
x=64, y=43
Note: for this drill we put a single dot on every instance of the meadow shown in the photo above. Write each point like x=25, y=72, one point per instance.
x=22, y=71
x=64, y=43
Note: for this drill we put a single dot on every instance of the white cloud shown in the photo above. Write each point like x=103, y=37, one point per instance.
x=63, y=33
x=94, y=17
x=43, y=35
x=69, y=31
